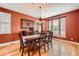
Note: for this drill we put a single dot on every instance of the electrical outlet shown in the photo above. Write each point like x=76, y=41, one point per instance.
x=71, y=38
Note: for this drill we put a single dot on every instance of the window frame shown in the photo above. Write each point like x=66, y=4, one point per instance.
x=59, y=20
x=6, y=23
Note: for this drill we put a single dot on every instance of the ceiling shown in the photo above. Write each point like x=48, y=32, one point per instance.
x=48, y=9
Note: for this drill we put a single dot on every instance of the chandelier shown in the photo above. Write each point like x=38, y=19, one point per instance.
x=40, y=20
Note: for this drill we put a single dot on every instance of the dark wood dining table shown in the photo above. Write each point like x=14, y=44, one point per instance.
x=31, y=37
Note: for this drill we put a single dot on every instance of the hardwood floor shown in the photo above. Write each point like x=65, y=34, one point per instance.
x=64, y=48
x=59, y=48
x=13, y=50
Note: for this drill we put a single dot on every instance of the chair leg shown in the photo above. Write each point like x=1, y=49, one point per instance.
x=39, y=53
x=22, y=51
x=51, y=42
x=28, y=50
x=48, y=45
x=39, y=49
x=20, y=48
x=44, y=48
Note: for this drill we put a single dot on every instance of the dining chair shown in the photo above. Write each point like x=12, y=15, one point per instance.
x=25, y=44
x=24, y=33
x=49, y=36
x=43, y=35
x=40, y=44
x=22, y=43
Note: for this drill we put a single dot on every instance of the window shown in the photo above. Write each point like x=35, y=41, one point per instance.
x=59, y=27
x=49, y=25
x=39, y=27
x=62, y=26
x=5, y=23
x=56, y=27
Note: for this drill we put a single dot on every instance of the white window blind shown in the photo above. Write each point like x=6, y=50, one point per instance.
x=50, y=25
x=56, y=27
x=5, y=23
x=59, y=27
x=62, y=26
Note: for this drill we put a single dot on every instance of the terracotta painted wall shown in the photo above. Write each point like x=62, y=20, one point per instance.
x=15, y=25
x=72, y=24
x=78, y=26
x=44, y=24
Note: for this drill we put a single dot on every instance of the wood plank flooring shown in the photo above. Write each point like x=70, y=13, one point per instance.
x=64, y=48
x=59, y=48
x=13, y=50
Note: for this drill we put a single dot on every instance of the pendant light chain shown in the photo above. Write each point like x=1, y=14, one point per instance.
x=40, y=12
x=40, y=20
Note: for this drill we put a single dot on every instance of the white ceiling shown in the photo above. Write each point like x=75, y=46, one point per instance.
x=48, y=9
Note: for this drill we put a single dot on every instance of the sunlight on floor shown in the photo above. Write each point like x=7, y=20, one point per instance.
x=59, y=48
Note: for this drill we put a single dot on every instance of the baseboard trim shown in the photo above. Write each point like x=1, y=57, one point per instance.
x=68, y=41
x=3, y=44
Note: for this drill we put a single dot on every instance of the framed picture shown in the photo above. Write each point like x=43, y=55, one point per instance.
x=26, y=24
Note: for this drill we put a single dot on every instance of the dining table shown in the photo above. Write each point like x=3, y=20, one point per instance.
x=30, y=37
